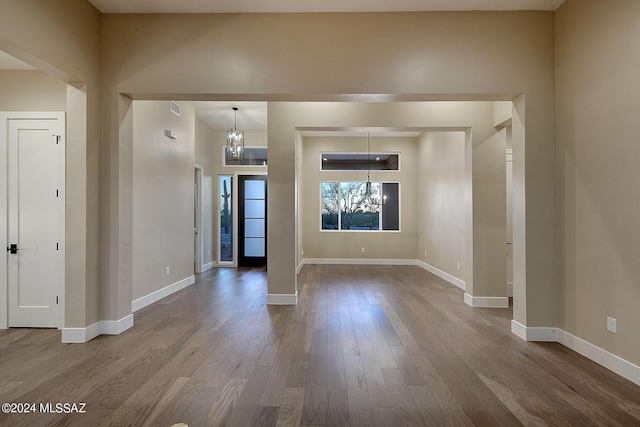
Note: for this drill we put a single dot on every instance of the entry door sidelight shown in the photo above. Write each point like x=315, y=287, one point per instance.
x=252, y=221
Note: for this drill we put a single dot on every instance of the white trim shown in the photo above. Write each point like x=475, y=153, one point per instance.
x=610, y=361
x=443, y=275
x=299, y=267
x=282, y=299
x=198, y=241
x=359, y=261
x=116, y=327
x=602, y=357
x=80, y=335
x=542, y=334
x=486, y=302
x=103, y=327
x=149, y=299
x=208, y=266
x=510, y=289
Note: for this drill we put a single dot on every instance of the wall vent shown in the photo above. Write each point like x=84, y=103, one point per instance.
x=175, y=108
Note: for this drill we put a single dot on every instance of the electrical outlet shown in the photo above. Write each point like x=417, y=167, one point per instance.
x=459, y=267
x=612, y=325
x=362, y=249
x=208, y=252
x=167, y=271
x=302, y=252
x=425, y=252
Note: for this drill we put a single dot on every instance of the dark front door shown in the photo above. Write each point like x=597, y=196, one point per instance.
x=252, y=221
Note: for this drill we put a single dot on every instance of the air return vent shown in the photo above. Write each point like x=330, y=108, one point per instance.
x=175, y=108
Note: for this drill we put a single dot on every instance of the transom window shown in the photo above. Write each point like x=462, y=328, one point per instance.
x=360, y=161
x=253, y=156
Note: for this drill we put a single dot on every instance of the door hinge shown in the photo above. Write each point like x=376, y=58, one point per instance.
x=57, y=193
x=57, y=246
x=57, y=300
x=58, y=138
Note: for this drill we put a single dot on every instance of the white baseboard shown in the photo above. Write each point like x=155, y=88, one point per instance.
x=208, y=266
x=486, y=302
x=358, y=261
x=610, y=361
x=161, y=293
x=103, y=327
x=443, y=275
x=602, y=357
x=534, y=334
x=299, y=267
x=116, y=327
x=282, y=299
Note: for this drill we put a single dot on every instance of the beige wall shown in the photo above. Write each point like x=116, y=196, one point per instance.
x=336, y=244
x=441, y=201
x=62, y=38
x=31, y=91
x=598, y=60
x=163, y=204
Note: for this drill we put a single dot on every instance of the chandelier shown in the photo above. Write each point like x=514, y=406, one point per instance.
x=235, y=141
x=370, y=197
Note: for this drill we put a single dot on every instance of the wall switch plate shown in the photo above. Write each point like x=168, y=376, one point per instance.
x=167, y=271
x=612, y=325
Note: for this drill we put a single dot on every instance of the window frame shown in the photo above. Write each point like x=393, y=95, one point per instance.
x=379, y=230
x=360, y=153
x=236, y=165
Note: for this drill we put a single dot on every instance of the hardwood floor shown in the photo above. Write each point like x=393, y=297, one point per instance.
x=365, y=346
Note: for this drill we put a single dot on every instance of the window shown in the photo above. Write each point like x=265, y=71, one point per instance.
x=253, y=156
x=225, y=186
x=359, y=161
x=344, y=206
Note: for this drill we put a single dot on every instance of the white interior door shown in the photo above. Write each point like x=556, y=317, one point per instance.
x=35, y=220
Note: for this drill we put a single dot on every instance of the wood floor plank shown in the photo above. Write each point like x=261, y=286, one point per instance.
x=384, y=417
x=335, y=376
x=379, y=395
x=406, y=366
x=224, y=403
x=407, y=412
x=360, y=408
x=337, y=413
x=247, y=403
x=196, y=412
x=366, y=345
x=314, y=409
x=290, y=413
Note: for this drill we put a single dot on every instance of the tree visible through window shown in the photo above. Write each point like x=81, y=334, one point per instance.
x=345, y=207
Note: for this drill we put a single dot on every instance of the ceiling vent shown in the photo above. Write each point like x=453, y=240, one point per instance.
x=175, y=108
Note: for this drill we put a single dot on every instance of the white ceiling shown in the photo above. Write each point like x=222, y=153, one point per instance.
x=220, y=114
x=294, y=6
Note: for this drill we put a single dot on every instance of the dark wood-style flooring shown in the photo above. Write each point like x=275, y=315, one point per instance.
x=365, y=346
